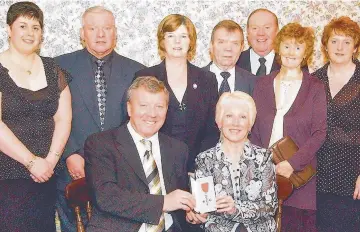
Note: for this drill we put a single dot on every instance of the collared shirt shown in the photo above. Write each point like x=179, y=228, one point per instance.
x=255, y=64
x=231, y=80
x=107, y=65
x=157, y=157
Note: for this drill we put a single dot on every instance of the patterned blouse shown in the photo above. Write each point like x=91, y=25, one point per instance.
x=251, y=184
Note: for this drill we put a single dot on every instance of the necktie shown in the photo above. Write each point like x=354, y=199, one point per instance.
x=101, y=90
x=224, y=87
x=153, y=180
x=262, y=69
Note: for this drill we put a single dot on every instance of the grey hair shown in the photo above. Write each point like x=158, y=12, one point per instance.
x=95, y=9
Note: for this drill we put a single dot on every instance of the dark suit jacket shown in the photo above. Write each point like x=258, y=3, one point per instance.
x=121, y=194
x=86, y=120
x=202, y=96
x=305, y=123
x=244, y=80
x=244, y=62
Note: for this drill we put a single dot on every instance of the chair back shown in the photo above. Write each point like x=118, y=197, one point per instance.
x=77, y=194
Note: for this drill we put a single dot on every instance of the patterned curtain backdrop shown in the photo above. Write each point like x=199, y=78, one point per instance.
x=137, y=22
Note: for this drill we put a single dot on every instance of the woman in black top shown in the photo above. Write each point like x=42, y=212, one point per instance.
x=35, y=123
x=338, y=183
x=193, y=91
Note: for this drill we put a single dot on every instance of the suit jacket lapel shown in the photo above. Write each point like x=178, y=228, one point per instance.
x=117, y=87
x=167, y=162
x=301, y=96
x=86, y=85
x=247, y=63
x=239, y=80
x=127, y=148
x=192, y=97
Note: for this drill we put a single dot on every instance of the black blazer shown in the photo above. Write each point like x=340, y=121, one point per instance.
x=244, y=62
x=121, y=194
x=244, y=80
x=202, y=96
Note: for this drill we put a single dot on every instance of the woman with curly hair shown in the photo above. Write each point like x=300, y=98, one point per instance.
x=291, y=102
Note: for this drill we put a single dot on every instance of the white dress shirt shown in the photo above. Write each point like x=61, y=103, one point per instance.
x=231, y=80
x=157, y=157
x=255, y=64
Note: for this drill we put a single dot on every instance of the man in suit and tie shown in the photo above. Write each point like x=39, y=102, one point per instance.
x=100, y=79
x=138, y=174
x=227, y=43
x=262, y=27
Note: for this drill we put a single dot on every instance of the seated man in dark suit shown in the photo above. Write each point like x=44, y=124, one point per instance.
x=137, y=174
x=259, y=59
x=227, y=43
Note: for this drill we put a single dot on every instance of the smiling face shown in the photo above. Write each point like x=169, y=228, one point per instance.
x=226, y=48
x=177, y=43
x=99, y=33
x=235, y=122
x=262, y=29
x=25, y=35
x=292, y=53
x=147, y=111
x=340, y=48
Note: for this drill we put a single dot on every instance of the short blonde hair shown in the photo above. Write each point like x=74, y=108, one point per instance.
x=150, y=83
x=301, y=35
x=171, y=23
x=341, y=26
x=240, y=97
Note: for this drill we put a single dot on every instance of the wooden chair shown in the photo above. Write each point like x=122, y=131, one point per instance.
x=77, y=194
x=285, y=189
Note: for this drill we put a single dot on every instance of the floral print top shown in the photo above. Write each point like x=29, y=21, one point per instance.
x=251, y=183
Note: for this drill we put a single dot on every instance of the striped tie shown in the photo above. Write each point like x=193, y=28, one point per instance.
x=153, y=180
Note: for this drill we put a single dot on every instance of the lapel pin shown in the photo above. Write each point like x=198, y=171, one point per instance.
x=194, y=86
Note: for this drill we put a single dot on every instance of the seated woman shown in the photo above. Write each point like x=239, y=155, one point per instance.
x=338, y=186
x=291, y=102
x=193, y=91
x=244, y=174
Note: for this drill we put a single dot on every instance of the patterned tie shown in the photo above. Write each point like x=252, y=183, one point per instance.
x=101, y=89
x=153, y=179
x=224, y=87
x=262, y=69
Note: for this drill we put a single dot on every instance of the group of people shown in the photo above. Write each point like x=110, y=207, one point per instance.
x=137, y=133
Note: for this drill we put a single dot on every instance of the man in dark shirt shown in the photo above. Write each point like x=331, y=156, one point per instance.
x=100, y=79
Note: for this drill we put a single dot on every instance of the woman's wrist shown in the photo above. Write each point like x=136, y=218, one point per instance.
x=30, y=162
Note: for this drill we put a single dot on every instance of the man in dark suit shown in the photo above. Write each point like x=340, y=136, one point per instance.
x=138, y=174
x=262, y=27
x=227, y=42
x=100, y=78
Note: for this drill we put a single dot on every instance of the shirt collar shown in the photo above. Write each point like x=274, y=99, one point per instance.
x=215, y=69
x=137, y=138
x=106, y=58
x=269, y=56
